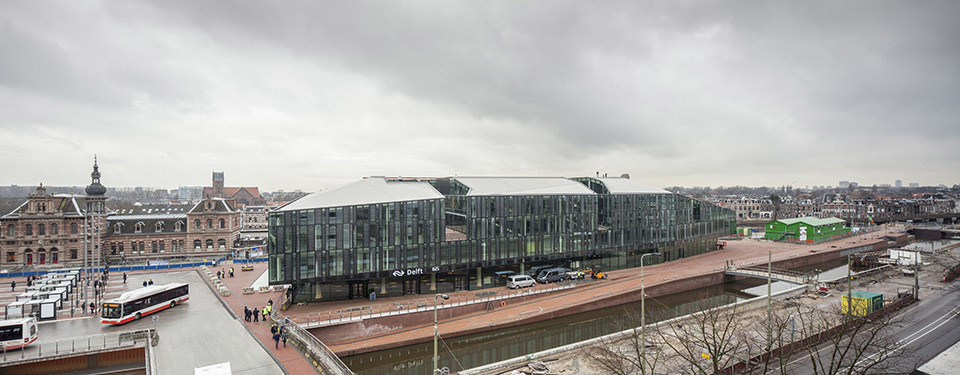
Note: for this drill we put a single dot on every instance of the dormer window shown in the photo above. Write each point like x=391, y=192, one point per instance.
x=138, y=228
x=178, y=226
x=159, y=227
x=117, y=227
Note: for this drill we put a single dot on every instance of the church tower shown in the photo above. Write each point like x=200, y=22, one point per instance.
x=217, y=185
x=96, y=192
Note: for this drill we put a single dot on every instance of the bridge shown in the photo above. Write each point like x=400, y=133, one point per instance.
x=761, y=272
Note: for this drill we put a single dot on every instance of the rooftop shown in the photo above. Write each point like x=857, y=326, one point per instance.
x=523, y=186
x=618, y=185
x=366, y=191
x=813, y=221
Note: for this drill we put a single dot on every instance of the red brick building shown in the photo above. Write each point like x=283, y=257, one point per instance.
x=48, y=229
x=243, y=196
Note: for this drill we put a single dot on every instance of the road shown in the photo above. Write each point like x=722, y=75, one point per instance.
x=200, y=332
x=928, y=327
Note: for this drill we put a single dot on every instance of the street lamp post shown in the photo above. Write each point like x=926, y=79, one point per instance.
x=643, y=312
x=436, y=331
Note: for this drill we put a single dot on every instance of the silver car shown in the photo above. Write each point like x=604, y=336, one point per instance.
x=520, y=281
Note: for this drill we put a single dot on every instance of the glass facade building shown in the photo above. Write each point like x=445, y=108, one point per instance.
x=397, y=236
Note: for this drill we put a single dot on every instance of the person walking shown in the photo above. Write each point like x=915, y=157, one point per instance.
x=144, y=283
x=274, y=330
x=218, y=274
x=256, y=315
x=276, y=340
x=124, y=277
x=231, y=271
x=92, y=308
x=151, y=282
x=283, y=336
x=13, y=284
x=266, y=313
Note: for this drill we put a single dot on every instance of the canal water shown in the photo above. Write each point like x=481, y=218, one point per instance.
x=470, y=351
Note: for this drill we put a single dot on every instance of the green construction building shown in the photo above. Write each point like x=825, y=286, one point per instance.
x=806, y=229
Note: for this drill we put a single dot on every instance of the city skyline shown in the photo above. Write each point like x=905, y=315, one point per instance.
x=313, y=96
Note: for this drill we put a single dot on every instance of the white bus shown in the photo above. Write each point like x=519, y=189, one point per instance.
x=138, y=303
x=17, y=333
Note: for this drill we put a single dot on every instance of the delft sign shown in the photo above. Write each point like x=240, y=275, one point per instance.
x=413, y=272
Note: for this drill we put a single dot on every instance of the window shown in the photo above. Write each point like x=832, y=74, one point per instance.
x=209, y=244
x=116, y=228
x=41, y=229
x=159, y=227
x=153, y=247
x=178, y=226
x=11, y=230
x=222, y=224
x=209, y=223
x=73, y=228
x=28, y=229
x=11, y=256
x=138, y=228
x=54, y=230
x=196, y=224
x=161, y=246
x=196, y=244
x=221, y=243
x=73, y=253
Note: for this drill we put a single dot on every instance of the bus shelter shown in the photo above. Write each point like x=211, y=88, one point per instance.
x=28, y=295
x=48, y=307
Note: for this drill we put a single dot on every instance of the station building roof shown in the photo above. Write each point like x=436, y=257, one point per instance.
x=523, y=186
x=619, y=185
x=366, y=191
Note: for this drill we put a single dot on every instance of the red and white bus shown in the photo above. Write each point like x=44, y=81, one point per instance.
x=17, y=333
x=138, y=303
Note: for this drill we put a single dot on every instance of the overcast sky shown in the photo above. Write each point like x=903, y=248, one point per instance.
x=310, y=95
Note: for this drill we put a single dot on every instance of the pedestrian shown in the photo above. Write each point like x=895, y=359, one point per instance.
x=274, y=330
x=283, y=337
x=270, y=302
x=231, y=271
x=13, y=284
x=218, y=274
x=276, y=340
x=92, y=308
x=266, y=314
x=151, y=282
x=29, y=283
x=256, y=315
x=124, y=277
x=144, y=283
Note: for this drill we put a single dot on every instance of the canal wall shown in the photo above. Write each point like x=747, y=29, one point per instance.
x=607, y=295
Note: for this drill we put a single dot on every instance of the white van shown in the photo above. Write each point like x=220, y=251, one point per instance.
x=520, y=281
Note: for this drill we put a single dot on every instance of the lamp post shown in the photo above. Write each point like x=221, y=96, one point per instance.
x=643, y=312
x=436, y=332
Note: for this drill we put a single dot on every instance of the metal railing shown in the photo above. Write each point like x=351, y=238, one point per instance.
x=776, y=274
x=51, y=349
x=326, y=357
x=359, y=313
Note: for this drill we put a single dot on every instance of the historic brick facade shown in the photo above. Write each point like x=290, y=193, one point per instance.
x=48, y=230
x=243, y=196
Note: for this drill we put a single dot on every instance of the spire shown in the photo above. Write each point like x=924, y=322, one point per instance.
x=95, y=188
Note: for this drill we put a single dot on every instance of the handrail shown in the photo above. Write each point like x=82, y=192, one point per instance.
x=359, y=313
x=78, y=345
x=326, y=357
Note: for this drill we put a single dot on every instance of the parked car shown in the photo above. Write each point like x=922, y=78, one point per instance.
x=535, y=271
x=552, y=275
x=520, y=281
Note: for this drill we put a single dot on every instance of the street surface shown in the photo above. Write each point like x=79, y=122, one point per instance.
x=197, y=333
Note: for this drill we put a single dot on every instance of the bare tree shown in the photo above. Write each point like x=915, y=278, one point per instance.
x=838, y=343
x=625, y=354
x=709, y=341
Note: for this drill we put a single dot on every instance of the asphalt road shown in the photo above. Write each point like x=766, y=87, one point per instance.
x=200, y=332
x=929, y=327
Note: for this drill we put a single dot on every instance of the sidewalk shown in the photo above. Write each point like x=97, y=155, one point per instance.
x=292, y=360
